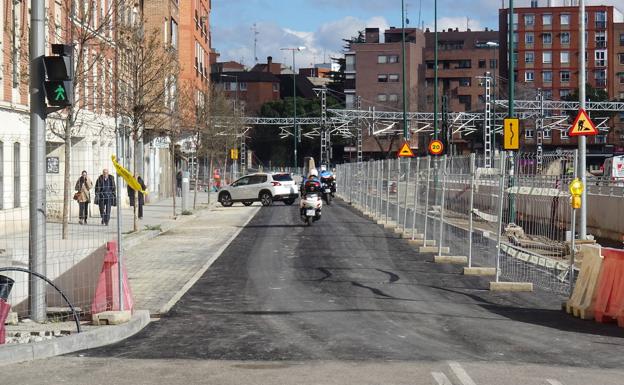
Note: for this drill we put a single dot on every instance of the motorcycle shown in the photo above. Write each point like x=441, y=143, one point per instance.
x=311, y=205
x=328, y=188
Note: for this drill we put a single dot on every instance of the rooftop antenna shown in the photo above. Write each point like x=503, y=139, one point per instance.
x=255, y=33
x=420, y=20
x=467, y=23
x=406, y=13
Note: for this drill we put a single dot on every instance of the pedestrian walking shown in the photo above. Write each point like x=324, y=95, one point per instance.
x=179, y=183
x=105, y=195
x=83, y=187
x=140, y=197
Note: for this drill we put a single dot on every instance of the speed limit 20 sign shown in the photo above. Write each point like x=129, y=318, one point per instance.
x=436, y=147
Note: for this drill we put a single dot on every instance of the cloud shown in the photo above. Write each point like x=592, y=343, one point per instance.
x=324, y=43
x=445, y=23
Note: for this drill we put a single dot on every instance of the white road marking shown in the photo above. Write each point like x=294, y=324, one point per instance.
x=461, y=374
x=553, y=382
x=441, y=378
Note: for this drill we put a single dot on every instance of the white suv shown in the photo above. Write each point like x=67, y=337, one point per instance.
x=265, y=188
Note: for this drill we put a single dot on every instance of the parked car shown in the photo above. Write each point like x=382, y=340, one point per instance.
x=265, y=188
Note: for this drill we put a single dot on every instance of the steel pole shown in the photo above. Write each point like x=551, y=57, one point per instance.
x=511, y=61
x=442, y=202
x=37, y=199
x=295, y=110
x=435, y=70
x=404, y=60
x=415, y=198
x=473, y=171
x=582, y=142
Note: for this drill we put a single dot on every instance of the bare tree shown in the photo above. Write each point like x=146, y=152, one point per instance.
x=147, y=91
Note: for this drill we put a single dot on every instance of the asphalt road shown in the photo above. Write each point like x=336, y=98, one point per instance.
x=345, y=301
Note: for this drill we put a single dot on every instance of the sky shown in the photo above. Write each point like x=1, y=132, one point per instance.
x=320, y=25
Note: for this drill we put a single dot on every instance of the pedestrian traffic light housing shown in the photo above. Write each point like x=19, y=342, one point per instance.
x=59, y=84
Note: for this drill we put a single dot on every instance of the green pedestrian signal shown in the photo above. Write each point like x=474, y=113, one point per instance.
x=58, y=83
x=59, y=93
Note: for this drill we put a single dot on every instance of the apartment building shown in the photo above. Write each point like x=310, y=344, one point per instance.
x=546, y=56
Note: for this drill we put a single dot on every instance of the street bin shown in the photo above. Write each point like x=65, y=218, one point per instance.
x=6, y=284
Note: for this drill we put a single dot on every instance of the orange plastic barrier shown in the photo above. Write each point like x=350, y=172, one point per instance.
x=107, y=293
x=609, y=303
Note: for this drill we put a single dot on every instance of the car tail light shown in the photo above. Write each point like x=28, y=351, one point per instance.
x=276, y=183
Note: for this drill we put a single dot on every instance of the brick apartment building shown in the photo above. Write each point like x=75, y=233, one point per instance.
x=546, y=57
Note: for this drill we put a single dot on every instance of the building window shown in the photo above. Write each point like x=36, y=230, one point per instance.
x=275, y=87
x=621, y=39
x=529, y=133
x=601, y=20
x=529, y=38
x=382, y=78
x=382, y=98
x=493, y=63
x=482, y=63
x=529, y=20
x=393, y=78
x=16, y=175
x=350, y=101
x=464, y=64
x=547, y=76
x=382, y=59
x=393, y=59
x=547, y=57
x=564, y=134
x=621, y=58
x=564, y=57
x=564, y=93
x=565, y=38
x=548, y=94
x=565, y=19
x=393, y=98
x=243, y=86
x=601, y=58
x=621, y=80
x=174, y=34
x=547, y=38
x=601, y=78
x=529, y=76
x=565, y=76
x=601, y=39
x=547, y=19
x=465, y=82
x=349, y=62
x=601, y=139
x=547, y=133
x=529, y=57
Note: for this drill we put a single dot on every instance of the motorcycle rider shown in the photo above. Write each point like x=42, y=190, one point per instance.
x=311, y=184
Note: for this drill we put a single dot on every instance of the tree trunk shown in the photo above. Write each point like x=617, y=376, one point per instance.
x=66, y=181
x=196, y=181
x=136, y=165
x=173, y=175
x=210, y=179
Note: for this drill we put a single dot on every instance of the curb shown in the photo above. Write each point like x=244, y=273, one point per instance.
x=165, y=309
x=105, y=335
x=135, y=239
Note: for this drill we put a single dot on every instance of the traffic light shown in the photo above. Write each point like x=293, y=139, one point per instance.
x=59, y=85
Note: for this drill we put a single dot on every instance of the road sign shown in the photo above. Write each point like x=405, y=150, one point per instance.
x=234, y=153
x=436, y=147
x=511, y=137
x=405, y=151
x=583, y=126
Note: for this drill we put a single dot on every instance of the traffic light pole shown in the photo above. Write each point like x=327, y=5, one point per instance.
x=582, y=141
x=37, y=202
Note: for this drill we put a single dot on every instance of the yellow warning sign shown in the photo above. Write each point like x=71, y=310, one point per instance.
x=511, y=137
x=583, y=126
x=405, y=151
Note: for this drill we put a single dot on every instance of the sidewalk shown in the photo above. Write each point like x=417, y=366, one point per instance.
x=162, y=269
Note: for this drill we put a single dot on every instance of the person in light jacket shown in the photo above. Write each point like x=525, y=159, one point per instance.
x=83, y=196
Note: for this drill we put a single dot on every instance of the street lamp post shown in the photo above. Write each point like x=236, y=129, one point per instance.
x=494, y=46
x=295, y=140
x=403, y=60
x=235, y=77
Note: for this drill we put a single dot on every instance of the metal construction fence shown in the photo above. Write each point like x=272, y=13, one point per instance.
x=514, y=216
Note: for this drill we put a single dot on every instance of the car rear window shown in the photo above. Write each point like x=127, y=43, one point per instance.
x=282, y=178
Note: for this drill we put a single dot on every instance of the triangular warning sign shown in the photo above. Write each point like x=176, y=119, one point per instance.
x=405, y=151
x=583, y=126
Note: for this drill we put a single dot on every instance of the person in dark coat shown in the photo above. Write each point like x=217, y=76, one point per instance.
x=179, y=183
x=105, y=195
x=140, y=197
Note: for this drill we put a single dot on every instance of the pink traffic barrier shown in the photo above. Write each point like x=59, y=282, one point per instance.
x=4, y=313
x=107, y=293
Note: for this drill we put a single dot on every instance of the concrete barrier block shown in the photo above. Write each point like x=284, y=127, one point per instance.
x=511, y=286
x=398, y=231
x=11, y=319
x=482, y=271
x=451, y=259
x=421, y=242
x=433, y=249
x=112, y=317
x=389, y=225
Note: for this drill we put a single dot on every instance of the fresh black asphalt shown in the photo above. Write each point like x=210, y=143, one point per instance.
x=346, y=289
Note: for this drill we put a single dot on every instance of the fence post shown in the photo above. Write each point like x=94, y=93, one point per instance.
x=471, y=208
x=380, y=189
x=407, y=178
x=427, y=199
x=415, y=198
x=388, y=191
x=367, y=187
x=501, y=191
x=398, y=200
x=573, y=230
x=444, y=174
